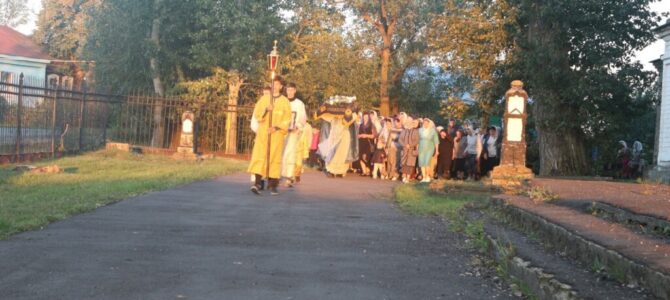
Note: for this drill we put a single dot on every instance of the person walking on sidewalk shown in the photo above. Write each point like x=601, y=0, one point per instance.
x=279, y=108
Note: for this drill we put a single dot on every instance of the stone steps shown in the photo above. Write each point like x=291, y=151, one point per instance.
x=627, y=256
x=641, y=223
x=545, y=272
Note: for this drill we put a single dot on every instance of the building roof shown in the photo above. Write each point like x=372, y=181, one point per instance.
x=15, y=43
x=663, y=28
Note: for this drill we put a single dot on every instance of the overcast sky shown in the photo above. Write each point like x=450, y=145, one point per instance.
x=652, y=52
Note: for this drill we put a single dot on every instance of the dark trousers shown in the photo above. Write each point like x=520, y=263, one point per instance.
x=471, y=165
x=272, y=182
x=488, y=164
x=315, y=160
x=444, y=166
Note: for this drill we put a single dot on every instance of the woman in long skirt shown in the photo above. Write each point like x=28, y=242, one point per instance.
x=366, y=143
x=428, y=147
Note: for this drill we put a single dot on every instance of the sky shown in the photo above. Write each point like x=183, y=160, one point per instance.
x=652, y=52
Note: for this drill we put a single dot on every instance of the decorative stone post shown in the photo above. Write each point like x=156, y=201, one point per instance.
x=512, y=166
x=186, y=137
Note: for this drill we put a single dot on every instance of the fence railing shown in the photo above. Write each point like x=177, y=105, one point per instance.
x=39, y=119
x=36, y=119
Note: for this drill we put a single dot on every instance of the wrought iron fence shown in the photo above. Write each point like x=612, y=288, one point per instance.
x=220, y=128
x=36, y=119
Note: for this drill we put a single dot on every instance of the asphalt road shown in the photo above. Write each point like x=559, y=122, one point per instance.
x=326, y=239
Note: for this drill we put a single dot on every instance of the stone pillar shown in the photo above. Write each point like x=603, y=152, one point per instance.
x=512, y=169
x=186, y=137
x=662, y=169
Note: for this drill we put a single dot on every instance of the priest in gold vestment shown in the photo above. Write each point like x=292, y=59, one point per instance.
x=281, y=118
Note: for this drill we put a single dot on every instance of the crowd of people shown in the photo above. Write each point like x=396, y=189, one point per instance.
x=400, y=147
x=410, y=149
x=630, y=161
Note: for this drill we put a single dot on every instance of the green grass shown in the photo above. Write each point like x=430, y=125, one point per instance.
x=418, y=199
x=29, y=201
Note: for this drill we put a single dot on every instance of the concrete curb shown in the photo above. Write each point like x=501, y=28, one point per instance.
x=620, y=267
x=658, y=226
x=543, y=285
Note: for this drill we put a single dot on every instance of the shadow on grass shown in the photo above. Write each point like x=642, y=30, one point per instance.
x=71, y=170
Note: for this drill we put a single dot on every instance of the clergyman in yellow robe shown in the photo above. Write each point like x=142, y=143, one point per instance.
x=281, y=118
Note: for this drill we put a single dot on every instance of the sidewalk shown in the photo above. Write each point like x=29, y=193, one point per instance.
x=327, y=239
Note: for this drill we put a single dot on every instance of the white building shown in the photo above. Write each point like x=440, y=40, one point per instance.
x=19, y=54
x=664, y=126
x=663, y=161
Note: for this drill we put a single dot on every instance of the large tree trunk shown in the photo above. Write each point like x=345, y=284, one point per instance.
x=561, y=139
x=384, y=105
x=562, y=150
x=158, y=132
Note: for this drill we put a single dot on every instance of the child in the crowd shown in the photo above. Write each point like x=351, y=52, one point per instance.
x=314, y=159
x=379, y=160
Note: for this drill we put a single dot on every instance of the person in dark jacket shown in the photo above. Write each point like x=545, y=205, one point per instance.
x=444, y=159
x=491, y=146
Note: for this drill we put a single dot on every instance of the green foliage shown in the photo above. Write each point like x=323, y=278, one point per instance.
x=33, y=200
x=62, y=26
x=14, y=12
x=541, y=194
x=575, y=57
x=210, y=89
x=323, y=61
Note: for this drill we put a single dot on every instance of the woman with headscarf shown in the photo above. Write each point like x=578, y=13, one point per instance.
x=409, y=140
x=636, y=162
x=394, y=150
x=428, y=148
x=623, y=157
x=460, y=144
x=366, y=143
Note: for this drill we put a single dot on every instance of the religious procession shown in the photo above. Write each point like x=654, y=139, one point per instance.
x=341, y=139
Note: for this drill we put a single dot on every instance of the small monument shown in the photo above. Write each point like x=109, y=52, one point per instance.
x=185, y=148
x=512, y=168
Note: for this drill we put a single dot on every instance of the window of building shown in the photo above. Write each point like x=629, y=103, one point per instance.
x=52, y=81
x=66, y=82
x=6, y=76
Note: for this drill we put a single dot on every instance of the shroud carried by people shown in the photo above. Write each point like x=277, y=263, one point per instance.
x=339, y=142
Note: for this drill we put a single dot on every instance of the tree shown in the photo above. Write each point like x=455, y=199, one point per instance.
x=324, y=61
x=14, y=12
x=470, y=38
x=401, y=26
x=62, y=27
x=574, y=56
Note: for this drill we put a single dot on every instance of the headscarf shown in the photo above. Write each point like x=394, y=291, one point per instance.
x=637, y=147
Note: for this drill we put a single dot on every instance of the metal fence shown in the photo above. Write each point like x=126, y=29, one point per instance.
x=150, y=121
x=38, y=119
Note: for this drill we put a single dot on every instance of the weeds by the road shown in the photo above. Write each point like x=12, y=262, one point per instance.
x=28, y=201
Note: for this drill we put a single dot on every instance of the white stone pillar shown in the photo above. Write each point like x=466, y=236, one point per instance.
x=663, y=32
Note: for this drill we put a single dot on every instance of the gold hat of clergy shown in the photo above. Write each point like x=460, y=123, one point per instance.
x=517, y=84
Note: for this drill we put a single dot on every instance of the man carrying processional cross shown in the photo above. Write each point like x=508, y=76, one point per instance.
x=270, y=109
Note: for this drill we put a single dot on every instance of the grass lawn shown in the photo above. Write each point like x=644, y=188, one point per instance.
x=29, y=201
x=442, y=198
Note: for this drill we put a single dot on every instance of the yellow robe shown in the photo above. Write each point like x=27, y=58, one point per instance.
x=302, y=149
x=281, y=117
